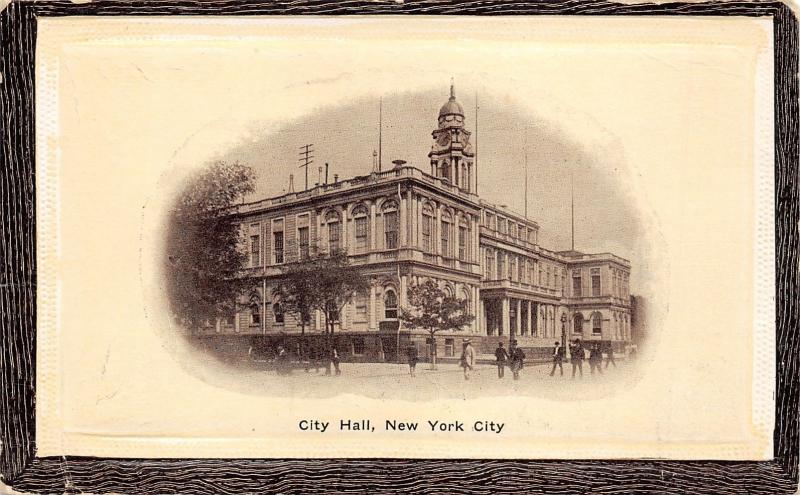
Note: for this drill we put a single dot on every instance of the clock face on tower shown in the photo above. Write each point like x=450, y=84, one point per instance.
x=443, y=139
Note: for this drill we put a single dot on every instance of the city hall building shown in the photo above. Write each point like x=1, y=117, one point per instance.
x=404, y=226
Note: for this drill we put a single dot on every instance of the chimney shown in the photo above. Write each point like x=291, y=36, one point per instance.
x=291, y=183
x=326, y=173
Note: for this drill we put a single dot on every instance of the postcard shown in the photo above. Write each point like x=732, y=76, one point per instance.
x=414, y=237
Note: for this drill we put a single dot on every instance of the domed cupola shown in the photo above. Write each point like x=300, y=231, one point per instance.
x=452, y=113
x=451, y=154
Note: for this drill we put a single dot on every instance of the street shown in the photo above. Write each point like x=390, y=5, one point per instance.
x=379, y=380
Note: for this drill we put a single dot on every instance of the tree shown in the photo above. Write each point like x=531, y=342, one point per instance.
x=324, y=282
x=298, y=294
x=433, y=310
x=204, y=259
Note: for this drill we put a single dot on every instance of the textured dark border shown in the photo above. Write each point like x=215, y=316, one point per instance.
x=27, y=473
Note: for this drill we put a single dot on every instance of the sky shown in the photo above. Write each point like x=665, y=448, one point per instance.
x=346, y=134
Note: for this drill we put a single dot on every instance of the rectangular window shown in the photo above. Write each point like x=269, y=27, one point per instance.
x=278, y=246
x=445, y=239
x=576, y=286
x=361, y=308
x=595, y=285
x=449, y=347
x=522, y=271
x=361, y=234
x=390, y=229
x=462, y=243
x=489, y=260
x=358, y=346
x=230, y=320
x=255, y=250
x=427, y=223
x=302, y=236
x=334, y=237
x=512, y=262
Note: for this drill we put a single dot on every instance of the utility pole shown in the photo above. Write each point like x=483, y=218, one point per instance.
x=526, y=185
x=572, y=199
x=475, y=161
x=306, y=158
x=380, y=134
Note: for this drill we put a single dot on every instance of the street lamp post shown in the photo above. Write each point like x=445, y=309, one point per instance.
x=564, y=331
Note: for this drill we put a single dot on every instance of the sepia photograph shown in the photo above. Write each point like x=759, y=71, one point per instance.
x=455, y=237
x=373, y=265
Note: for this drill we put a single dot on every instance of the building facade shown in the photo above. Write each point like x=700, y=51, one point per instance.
x=403, y=226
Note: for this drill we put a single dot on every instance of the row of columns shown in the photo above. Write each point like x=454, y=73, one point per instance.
x=459, y=173
x=546, y=325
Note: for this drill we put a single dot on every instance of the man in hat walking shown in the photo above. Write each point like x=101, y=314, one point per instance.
x=558, y=359
x=467, y=358
x=610, y=355
x=501, y=355
x=517, y=360
x=576, y=357
x=595, y=359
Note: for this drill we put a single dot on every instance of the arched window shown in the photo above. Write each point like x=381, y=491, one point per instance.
x=390, y=224
x=447, y=223
x=390, y=304
x=255, y=310
x=465, y=296
x=427, y=228
x=597, y=324
x=577, y=323
x=444, y=170
x=277, y=310
x=361, y=221
x=334, y=224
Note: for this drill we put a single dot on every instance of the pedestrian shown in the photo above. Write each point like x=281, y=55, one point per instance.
x=467, y=358
x=576, y=357
x=335, y=360
x=413, y=357
x=558, y=358
x=610, y=355
x=501, y=355
x=282, y=361
x=517, y=361
x=595, y=359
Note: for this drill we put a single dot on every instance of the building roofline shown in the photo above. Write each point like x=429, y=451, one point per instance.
x=506, y=211
x=356, y=183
